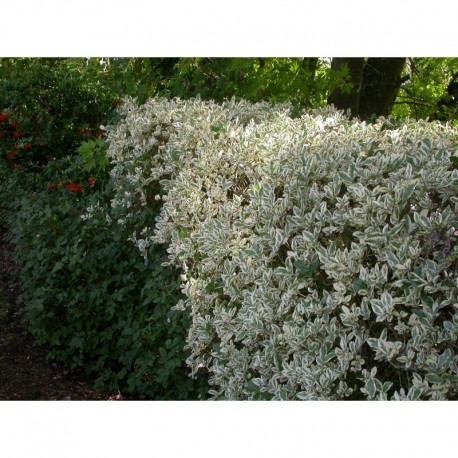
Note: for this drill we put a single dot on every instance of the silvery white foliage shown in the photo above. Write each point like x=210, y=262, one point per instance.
x=319, y=254
x=98, y=211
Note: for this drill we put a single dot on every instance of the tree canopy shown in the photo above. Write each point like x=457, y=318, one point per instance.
x=417, y=88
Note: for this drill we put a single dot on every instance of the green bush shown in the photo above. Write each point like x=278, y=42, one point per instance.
x=319, y=254
x=54, y=103
x=89, y=295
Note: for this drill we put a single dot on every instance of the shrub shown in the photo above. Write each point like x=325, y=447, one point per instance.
x=319, y=254
x=88, y=294
x=54, y=103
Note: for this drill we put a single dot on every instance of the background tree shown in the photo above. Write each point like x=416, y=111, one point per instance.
x=369, y=86
x=428, y=91
x=302, y=81
x=349, y=78
x=57, y=99
x=447, y=106
x=381, y=83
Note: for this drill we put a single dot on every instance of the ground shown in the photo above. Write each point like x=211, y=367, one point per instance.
x=25, y=372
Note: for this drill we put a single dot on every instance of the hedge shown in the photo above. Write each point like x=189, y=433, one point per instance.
x=318, y=253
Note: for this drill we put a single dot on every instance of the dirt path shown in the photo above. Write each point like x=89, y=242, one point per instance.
x=25, y=374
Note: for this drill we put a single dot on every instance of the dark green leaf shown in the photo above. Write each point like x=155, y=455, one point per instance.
x=306, y=270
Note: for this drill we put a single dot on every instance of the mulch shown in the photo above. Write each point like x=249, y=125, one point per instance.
x=25, y=371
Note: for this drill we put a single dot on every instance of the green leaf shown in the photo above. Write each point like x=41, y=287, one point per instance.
x=306, y=270
x=444, y=358
x=434, y=378
x=345, y=177
x=427, y=142
x=371, y=388
x=423, y=317
x=387, y=300
x=251, y=386
x=57, y=267
x=407, y=192
x=427, y=300
x=378, y=385
x=329, y=356
x=308, y=236
x=358, y=284
x=415, y=393
x=216, y=128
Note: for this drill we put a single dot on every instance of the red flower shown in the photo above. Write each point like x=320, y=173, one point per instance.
x=91, y=182
x=11, y=155
x=17, y=146
x=63, y=183
x=74, y=187
x=83, y=131
x=3, y=117
x=18, y=133
x=28, y=146
x=13, y=124
x=53, y=187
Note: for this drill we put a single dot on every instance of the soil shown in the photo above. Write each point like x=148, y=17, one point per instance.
x=25, y=372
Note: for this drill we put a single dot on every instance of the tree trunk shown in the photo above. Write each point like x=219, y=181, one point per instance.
x=381, y=82
x=374, y=85
x=310, y=65
x=343, y=99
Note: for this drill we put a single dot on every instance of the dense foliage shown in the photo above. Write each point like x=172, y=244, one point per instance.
x=301, y=81
x=319, y=255
x=430, y=90
x=89, y=296
x=316, y=254
x=52, y=102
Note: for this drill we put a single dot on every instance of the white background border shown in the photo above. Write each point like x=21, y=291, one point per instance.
x=241, y=28
x=236, y=28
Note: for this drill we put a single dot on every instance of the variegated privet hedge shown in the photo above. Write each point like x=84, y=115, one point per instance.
x=319, y=255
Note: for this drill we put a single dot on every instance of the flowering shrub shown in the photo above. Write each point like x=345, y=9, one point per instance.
x=318, y=254
x=10, y=144
x=87, y=293
x=54, y=102
x=72, y=186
